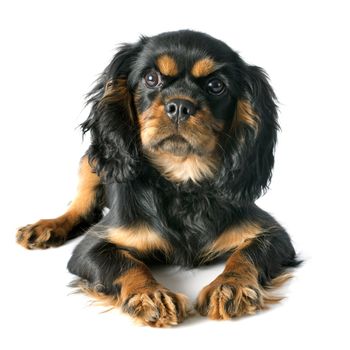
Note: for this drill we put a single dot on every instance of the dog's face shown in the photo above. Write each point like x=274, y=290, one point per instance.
x=187, y=103
x=184, y=95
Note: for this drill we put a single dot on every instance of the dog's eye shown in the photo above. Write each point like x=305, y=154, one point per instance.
x=152, y=79
x=216, y=86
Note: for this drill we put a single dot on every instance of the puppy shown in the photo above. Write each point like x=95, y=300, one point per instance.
x=182, y=144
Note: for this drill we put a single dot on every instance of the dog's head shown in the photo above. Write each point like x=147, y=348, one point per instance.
x=189, y=106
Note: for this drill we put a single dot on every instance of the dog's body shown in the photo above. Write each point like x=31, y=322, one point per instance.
x=183, y=133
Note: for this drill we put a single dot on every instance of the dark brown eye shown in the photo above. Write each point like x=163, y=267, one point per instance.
x=152, y=79
x=216, y=86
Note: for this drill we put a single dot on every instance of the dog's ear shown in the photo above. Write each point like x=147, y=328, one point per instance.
x=253, y=135
x=114, y=149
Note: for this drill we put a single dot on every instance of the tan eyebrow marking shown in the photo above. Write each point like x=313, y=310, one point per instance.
x=203, y=67
x=167, y=65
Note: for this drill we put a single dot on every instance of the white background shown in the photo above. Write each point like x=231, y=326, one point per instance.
x=51, y=52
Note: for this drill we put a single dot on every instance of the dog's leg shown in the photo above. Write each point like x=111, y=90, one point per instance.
x=258, y=263
x=115, y=276
x=85, y=210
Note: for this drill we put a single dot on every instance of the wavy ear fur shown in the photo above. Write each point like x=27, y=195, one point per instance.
x=114, y=149
x=250, y=158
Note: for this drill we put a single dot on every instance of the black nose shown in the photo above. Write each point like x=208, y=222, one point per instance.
x=179, y=110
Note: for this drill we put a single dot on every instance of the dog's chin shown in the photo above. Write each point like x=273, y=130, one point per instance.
x=176, y=145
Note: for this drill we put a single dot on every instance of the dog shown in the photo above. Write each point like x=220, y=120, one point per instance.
x=183, y=133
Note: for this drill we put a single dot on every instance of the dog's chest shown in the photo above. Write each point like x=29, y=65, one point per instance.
x=194, y=221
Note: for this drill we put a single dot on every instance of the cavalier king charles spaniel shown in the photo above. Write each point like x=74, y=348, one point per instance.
x=182, y=144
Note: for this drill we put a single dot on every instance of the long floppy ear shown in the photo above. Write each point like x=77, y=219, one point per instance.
x=253, y=135
x=114, y=149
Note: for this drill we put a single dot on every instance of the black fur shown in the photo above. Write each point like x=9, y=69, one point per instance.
x=99, y=263
x=114, y=139
x=188, y=215
x=248, y=166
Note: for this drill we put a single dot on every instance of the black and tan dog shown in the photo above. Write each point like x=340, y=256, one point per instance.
x=182, y=144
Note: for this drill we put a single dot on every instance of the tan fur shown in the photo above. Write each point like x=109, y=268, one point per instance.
x=59, y=227
x=88, y=182
x=199, y=131
x=98, y=298
x=151, y=120
x=182, y=169
x=159, y=308
x=234, y=237
x=135, y=280
x=203, y=67
x=149, y=302
x=245, y=114
x=280, y=280
x=143, y=298
x=167, y=65
x=237, y=292
x=116, y=91
x=140, y=237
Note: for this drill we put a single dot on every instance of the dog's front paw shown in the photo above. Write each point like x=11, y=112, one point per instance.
x=158, y=308
x=41, y=235
x=226, y=298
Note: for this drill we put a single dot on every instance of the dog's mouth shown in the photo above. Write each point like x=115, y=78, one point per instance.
x=175, y=144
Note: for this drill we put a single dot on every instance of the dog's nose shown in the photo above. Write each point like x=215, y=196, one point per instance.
x=179, y=110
